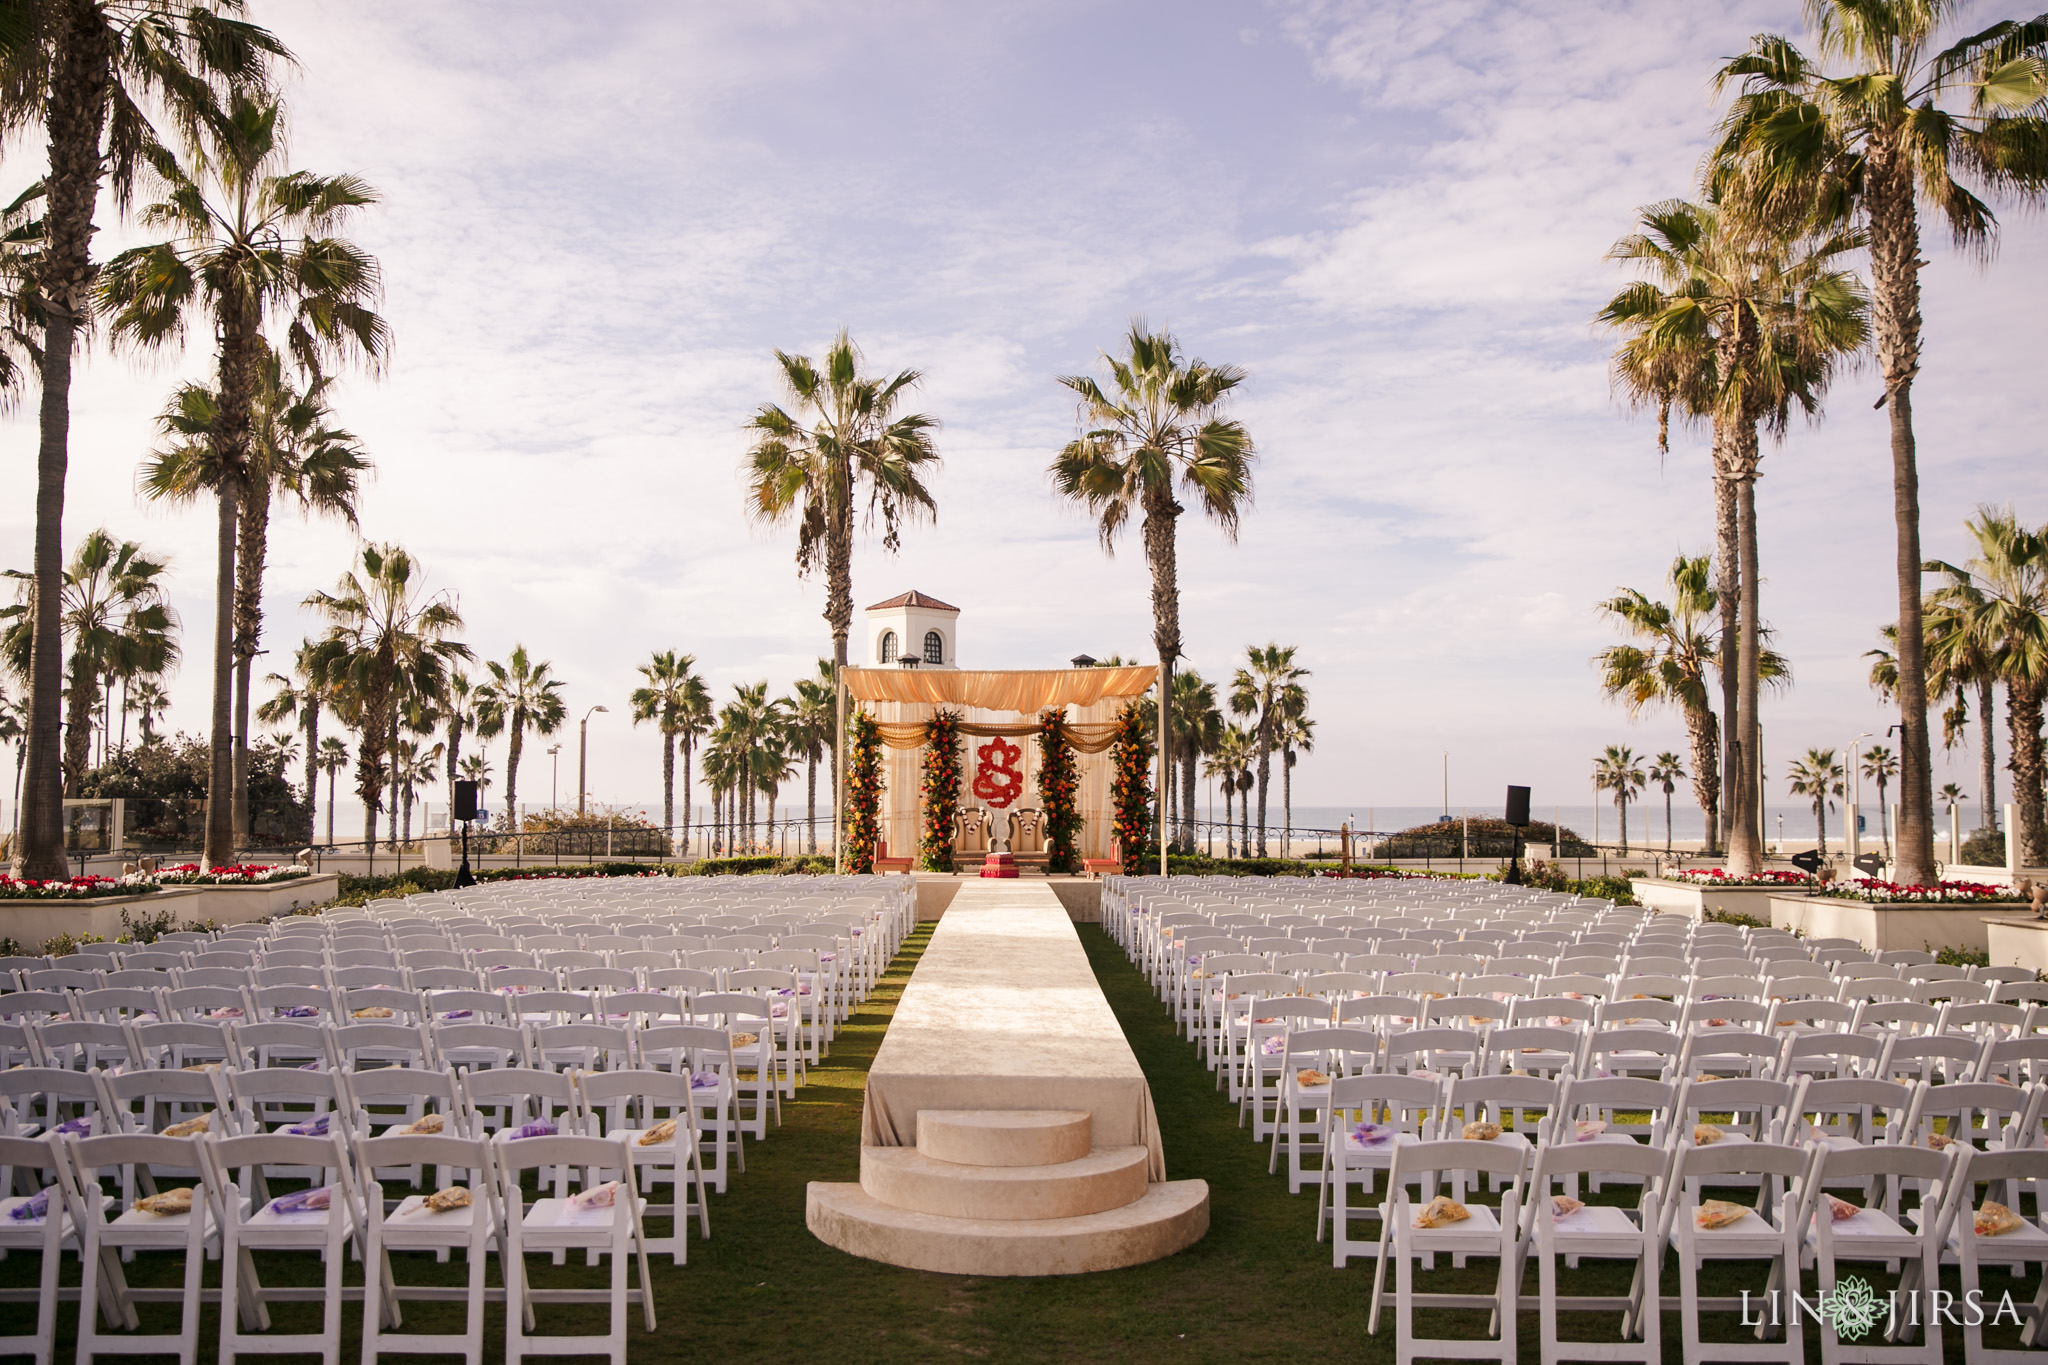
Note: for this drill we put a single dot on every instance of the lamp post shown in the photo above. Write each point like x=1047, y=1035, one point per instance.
x=1855, y=775
x=555, y=777
x=583, y=755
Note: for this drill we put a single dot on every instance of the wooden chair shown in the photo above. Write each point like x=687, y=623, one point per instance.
x=884, y=864
x=1112, y=865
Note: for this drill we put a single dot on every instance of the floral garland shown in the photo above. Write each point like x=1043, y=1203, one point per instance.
x=863, y=792
x=1130, y=788
x=1058, y=792
x=941, y=790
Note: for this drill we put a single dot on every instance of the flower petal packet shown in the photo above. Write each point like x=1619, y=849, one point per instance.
x=1996, y=1219
x=166, y=1203
x=1719, y=1213
x=659, y=1133
x=1441, y=1212
x=1480, y=1131
x=304, y=1201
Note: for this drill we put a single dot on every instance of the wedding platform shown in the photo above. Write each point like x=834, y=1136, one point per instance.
x=1007, y=1127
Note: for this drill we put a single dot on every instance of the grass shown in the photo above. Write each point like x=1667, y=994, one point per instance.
x=1257, y=1288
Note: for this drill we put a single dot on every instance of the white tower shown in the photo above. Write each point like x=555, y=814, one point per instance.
x=911, y=631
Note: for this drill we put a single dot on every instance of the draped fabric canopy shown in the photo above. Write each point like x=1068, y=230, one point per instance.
x=1086, y=739
x=1024, y=690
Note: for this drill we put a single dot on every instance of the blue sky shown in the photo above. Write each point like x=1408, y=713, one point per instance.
x=599, y=222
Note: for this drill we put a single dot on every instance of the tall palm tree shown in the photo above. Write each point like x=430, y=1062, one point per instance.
x=1817, y=777
x=1874, y=140
x=1952, y=796
x=1621, y=772
x=116, y=617
x=458, y=714
x=294, y=451
x=1670, y=667
x=521, y=694
x=1158, y=423
x=300, y=697
x=1268, y=687
x=1197, y=727
x=149, y=703
x=837, y=437
x=812, y=715
x=416, y=765
x=1667, y=770
x=477, y=768
x=1742, y=318
x=672, y=695
x=1960, y=656
x=90, y=73
x=2000, y=598
x=330, y=759
x=1297, y=737
x=1229, y=760
x=252, y=249
x=386, y=639
x=1881, y=765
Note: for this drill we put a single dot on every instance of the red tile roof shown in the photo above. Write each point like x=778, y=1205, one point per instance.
x=914, y=598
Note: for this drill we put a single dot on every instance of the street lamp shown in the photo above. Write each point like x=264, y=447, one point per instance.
x=583, y=754
x=1855, y=774
x=555, y=778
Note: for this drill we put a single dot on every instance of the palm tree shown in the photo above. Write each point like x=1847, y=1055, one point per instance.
x=1817, y=777
x=1621, y=772
x=1667, y=770
x=673, y=694
x=458, y=713
x=14, y=730
x=1959, y=656
x=1160, y=423
x=300, y=697
x=86, y=71
x=148, y=701
x=416, y=766
x=1297, y=737
x=1741, y=320
x=115, y=614
x=1269, y=687
x=2000, y=601
x=855, y=443
x=330, y=759
x=477, y=768
x=294, y=451
x=812, y=715
x=1197, y=727
x=386, y=639
x=521, y=695
x=253, y=248
x=1872, y=143
x=1952, y=796
x=1230, y=759
x=1670, y=667
x=1881, y=765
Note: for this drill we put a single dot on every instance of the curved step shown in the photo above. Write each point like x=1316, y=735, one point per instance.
x=1170, y=1217
x=1005, y=1137
x=905, y=1178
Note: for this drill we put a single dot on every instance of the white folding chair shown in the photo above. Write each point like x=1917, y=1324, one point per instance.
x=278, y=1224
x=630, y=1105
x=24, y=1230
x=1396, y=1112
x=1485, y=1232
x=103, y=1286
x=1874, y=1233
x=1598, y=1230
x=411, y=1224
x=2023, y=1246
x=1769, y=1232
x=558, y=1224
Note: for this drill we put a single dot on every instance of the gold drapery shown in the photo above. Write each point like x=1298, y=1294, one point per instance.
x=1026, y=691
x=1086, y=739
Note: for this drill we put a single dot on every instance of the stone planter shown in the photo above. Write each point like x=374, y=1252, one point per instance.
x=260, y=900
x=1879, y=927
x=1692, y=899
x=2019, y=941
x=32, y=923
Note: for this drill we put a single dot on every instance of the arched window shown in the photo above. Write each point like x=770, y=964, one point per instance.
x=888, y=646
x=934, y=648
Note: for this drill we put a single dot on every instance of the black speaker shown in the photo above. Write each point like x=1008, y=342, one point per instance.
x=465, y=801
x=1807, y=862
x=1518, y=806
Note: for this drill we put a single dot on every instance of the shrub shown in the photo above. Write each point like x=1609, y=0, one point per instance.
x=1985, y=848
x=1961, y=957
x=1734, y=917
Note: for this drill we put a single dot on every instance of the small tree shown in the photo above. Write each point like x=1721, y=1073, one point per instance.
x=1817, y=777
x=1667, y=770
x=1621, y=772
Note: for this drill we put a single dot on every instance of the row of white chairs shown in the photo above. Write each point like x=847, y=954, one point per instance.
x=588, y=1196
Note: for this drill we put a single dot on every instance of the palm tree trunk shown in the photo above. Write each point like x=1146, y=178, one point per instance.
x=1265, y=772
x=1735, y=801
x=839, y=585
x=220, y=780
x=1745, y=832
x=332, y=773
x=1229, y=825
x=1820, y=823
x=75, y=114
x=1286, y=800
x=1667, y=822
x=1160, y=555
x=811, y=797
x=455, y=728
x=251, y=552
x=668, y=787
x=2023, y=718
x=1244, y=824
x=78, y=723
x=1895, y=326
x=1987, y=758
x=1621, y=804
x=313, y=762
x=512, y=748
x=391, y=747
x=1187, y=799
x=688, y=745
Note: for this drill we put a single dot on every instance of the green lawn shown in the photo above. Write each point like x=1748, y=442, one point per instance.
x=1258, y=1287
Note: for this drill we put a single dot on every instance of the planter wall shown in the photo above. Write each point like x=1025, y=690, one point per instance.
x=1883, y=927
x=34, y=923
x=1694, y=900
x=2018, y=942
x=243, y=904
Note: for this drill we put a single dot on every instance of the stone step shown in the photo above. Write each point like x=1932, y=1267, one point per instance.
x=1004, y=1137
x=1107, y=1178
x=1170, y=1217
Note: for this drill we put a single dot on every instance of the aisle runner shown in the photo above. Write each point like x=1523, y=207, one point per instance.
x=1004, y=1013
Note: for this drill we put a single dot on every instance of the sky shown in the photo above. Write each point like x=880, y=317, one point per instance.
x=598, y=224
